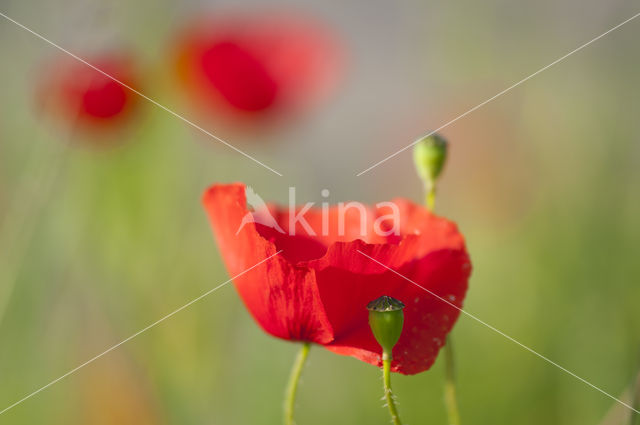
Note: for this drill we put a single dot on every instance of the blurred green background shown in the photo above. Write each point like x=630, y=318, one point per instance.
x=96, y=243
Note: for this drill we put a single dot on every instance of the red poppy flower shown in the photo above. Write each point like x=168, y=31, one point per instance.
x=318, y=288
x=251, y=66
x=86, y=98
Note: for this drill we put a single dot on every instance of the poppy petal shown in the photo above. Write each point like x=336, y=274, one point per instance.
x=345, y=292
x=282, y=298
x=318, y=288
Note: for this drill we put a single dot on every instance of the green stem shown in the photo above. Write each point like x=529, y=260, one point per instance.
x=18, y=224
x=450, y=397
x=388, y=394
x=430, y=198
x=292, y=386
x=635, y=401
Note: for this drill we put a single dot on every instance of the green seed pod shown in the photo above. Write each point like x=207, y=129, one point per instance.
x=386, y=320
x=429, y=156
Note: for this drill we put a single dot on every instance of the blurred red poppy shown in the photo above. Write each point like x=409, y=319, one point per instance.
x=317, y=289
x=252, y=66
x=83, y=97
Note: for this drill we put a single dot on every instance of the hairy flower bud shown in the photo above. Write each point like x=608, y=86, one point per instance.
x=386, y=320
x=429, y=156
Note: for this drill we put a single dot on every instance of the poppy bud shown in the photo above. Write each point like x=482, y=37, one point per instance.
x=429, y=155
x=386, y=319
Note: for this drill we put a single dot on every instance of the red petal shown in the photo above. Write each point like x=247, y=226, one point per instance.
x=431, y=253
x=348, y=279
x=239, y=76
x=253, y=65
x=81, y=95
x=324, y=282
x=282, y=298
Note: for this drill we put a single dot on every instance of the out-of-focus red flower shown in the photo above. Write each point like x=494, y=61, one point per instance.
x=254, y=66
x=318, y=288
x=85, y=98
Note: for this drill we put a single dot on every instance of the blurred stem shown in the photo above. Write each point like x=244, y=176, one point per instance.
x=292, y=386
x=18, y=224
x=430, y=198
x=388, y=394
x=635, y=401
x=450, y=398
